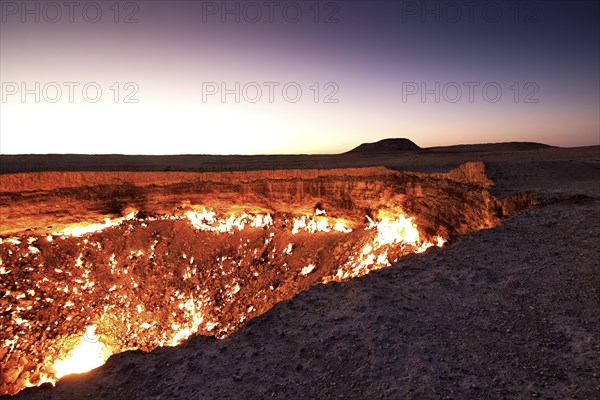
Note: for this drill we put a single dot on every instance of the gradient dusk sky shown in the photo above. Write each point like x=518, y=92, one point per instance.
x=147, y=77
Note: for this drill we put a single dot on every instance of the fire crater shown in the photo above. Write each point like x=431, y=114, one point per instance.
x=186, y=257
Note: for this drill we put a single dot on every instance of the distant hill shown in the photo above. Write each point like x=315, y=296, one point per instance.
x=403, y=144
x=504, y=146
x=386, y=146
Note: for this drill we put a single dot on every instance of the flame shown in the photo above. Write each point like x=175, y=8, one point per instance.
x=374, y=255
x=205, y=220
x=440, y=241
x=318, y=223
x=400, y=230
x=308, y=269
x=79, y=230
x=89, y=354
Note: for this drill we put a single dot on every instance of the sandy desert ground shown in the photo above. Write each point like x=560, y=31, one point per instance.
x=508, y=312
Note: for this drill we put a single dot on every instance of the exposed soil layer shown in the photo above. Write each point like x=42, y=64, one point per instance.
x=50, y=201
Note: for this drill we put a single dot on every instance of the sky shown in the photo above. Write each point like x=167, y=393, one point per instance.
x=291, y=77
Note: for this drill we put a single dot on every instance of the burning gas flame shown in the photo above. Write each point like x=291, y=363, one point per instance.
x=318, y=223
x=400, y=230
x=205, y=220
x=89, y=354
x=82, y=229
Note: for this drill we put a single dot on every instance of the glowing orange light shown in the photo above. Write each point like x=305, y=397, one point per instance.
x=89, y=354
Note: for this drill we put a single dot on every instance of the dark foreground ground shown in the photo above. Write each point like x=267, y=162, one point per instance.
x=511, y=312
